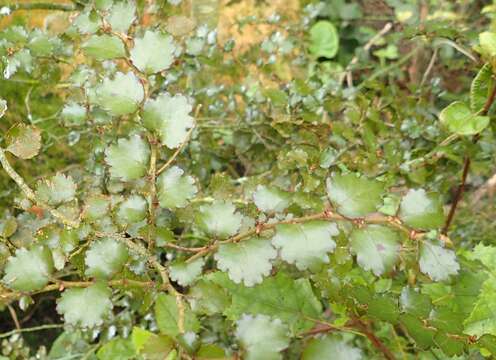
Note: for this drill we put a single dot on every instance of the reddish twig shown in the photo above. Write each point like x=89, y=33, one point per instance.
x=466, y=167
x=376, y=342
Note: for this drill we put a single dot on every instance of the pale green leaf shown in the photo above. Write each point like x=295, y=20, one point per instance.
x=167, y=315
x=150, y=345
x=324, y=39
x=121, y=95
x=73, y=114
x=271, y=199
x=376, y=247
x=480, y=88
x=208, y=298
x=185, y=273
x=354, y=196
x=56, y=190
x=96, y=207
x=169, y=116
x=28, y=270
x=247, y=261
x=153, y=52
x=487, y=40
x=131, y=210
x=24, y=141
x=306, y=245
x=104, y=47
x=105, y=258
x=128, y=159
x=421, y=210
x=459, y=119
x=330, y=347
x=261, y=337
x=85, y=307
x=174, y=189
x=87, y=23
x=437, y=262
x=220, y=219
x=3, y=107
x=482, y=319
x=485, y=254
x=117, y=349
x=121, y=16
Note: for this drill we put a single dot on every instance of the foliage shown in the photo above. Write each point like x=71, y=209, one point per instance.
x=222, y=180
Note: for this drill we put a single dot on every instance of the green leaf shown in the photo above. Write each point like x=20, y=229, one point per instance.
x=306, y=245
x=85, y=307
x=86, y=23
x=174, y=189
x=487, y=40
x=423, y=336
x=167, y=315
x=150, y=345
x=169, y=116
x=220, y=219
x=121, y=95
x=28, y=270
x=247, y=261
x=128, y=159
x=132, y=210
x=96, y=207
x=24, y=141
x=414, y=303
x=117, y=349
x=73, y=114
x=271, y=199
x=105, y=258
x=208, y=298
x=104, y=47
x=261, y=337
x=437, y=262
x=153, y=52
x=354, y=196
x=280, y=297
x=377, y=248
x=121, y=16
x=421, y=210
x=485, y=254
x=383, y=308
x=459, y=119
x=322, y=348
x=56, y=190
x=185, y=273
x=480, y=88
x=482, y=319
x=324, y=40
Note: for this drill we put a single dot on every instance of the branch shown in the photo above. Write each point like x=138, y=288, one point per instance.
x=31, y=329
x=60, y=285
x=327, y=215
x=162, y=270
x=42, y=6
x=376, y=342
x=30, y=194
x=466, y=166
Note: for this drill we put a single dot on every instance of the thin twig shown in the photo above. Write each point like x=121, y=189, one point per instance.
x=13, y=315
x=31, y=329
x=347, y=74
x=466, y=166
x=30, y=194
x=376, y=342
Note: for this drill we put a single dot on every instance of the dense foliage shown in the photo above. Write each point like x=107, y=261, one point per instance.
x=247, y=180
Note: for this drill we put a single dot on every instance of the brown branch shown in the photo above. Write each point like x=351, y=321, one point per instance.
x=466, y=166
x=41, y=6
x=376, y=342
